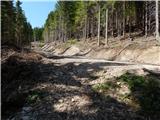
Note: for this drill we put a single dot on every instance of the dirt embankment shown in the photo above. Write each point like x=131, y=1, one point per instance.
x=19, y=73
x=149, y=55
x=141, y=52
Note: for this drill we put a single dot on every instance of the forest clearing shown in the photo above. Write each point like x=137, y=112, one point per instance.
x=91, y=60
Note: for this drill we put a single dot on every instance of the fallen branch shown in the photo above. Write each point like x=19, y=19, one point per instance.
x=7, y=57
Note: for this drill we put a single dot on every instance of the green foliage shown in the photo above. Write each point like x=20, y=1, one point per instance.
x=104, y=86
x=130, y=9
x=15, y=28
x=81, y=13
x=72, y=41
x=74, y=19
x=7, y=21
x=34, y=97
x=146, y=91
x=150, y=101
x=68, y=16
x=134, y=81
x=41, y=44
x=23, y=30
x=38, y=34
x=98, y=87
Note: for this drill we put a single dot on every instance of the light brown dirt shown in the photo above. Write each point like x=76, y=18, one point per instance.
x=139, y=51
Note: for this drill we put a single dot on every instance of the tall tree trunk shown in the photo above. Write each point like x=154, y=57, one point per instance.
x=146, y=20
x=119, y=24
x=106, y=36
x=34, y=38
x=129, y=21
x=65, y=32
x=116, y=22
x=149, y=21
x=129, y=27
x=85, y=30
x=112, y=21
x=91, y=28
x=99, y=13
x=54, y=36
x=157, y=22
x=62, y=31
x=123, y=18
x=59, y=30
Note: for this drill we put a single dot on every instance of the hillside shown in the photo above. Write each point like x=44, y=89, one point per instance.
x=141, y=50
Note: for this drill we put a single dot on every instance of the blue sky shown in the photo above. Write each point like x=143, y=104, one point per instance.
x=37, y=11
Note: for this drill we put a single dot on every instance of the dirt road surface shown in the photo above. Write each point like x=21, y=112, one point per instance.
x=63, y=90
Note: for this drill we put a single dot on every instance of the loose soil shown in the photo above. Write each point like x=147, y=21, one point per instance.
x=40, y=88
x=141, y=50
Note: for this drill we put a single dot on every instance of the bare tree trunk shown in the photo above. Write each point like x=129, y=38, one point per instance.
x=54, y=36
x=112, y=21
x=129, y=22
x=146, y=21
x=149, y=22
x=119, y=26
x=65, y=32
x=85, y=30
x=157, y=22
x=129, y=27
x=62, y=31
x=116, y=22
x=34, y=38
x=91, y=28
x=106, y=36
x=124, y=19
x=46, y=36
x=99, y=13
x=59, y=30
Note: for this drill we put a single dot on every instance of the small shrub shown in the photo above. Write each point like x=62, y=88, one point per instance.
x=72, y=41
x=69, y=43
x=104, y=86
x=135, y=82
x=34, y=97
x=41, y=44
x=150, y=100
x=145, y=90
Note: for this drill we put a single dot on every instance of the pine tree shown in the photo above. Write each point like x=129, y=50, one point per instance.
x=7, y=21
x=15, y=28
x=87, y=19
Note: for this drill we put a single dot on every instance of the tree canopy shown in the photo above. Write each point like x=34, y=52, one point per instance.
x=80, y=19
x=15, y=28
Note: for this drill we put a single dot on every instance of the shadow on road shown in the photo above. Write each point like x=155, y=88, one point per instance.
x=55, y=82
